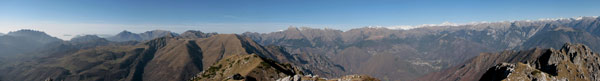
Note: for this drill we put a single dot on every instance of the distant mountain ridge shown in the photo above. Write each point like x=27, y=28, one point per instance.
x=405, y=54
x=419, y=51
x=148, y=35
x=23, y=41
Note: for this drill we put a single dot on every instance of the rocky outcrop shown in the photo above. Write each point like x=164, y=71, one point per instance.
x=573, y=62
x=498, y=72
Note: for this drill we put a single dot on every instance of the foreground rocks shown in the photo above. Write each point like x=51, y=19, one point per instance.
x=573, y=62
x=255, y=68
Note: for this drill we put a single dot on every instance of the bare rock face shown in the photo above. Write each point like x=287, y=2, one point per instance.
x=574, y=62
x=498, y=72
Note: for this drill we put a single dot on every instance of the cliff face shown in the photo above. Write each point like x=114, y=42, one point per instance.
x=571, y=62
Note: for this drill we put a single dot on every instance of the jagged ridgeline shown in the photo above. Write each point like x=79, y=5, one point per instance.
x=573, y=62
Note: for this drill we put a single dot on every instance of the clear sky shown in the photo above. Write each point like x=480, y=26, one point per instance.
x=73, y=17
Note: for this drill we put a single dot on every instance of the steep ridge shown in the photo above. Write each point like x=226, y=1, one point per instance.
x=571, y=62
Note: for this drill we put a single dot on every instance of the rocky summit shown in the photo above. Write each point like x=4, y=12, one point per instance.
x=573, y=62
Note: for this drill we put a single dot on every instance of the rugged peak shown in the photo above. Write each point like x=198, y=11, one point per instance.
x=570, y=48
x=573, y=62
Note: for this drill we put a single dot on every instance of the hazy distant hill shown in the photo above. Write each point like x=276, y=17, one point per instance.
x=23, y=41
x=148, y=35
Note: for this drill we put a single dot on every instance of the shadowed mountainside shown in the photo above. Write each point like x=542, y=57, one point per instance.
x=24, y=41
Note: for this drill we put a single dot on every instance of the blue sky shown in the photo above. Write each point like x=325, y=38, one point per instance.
x=72, y=17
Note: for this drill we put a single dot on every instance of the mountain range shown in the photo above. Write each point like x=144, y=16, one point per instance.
x=405, y=54
x=429, y=53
